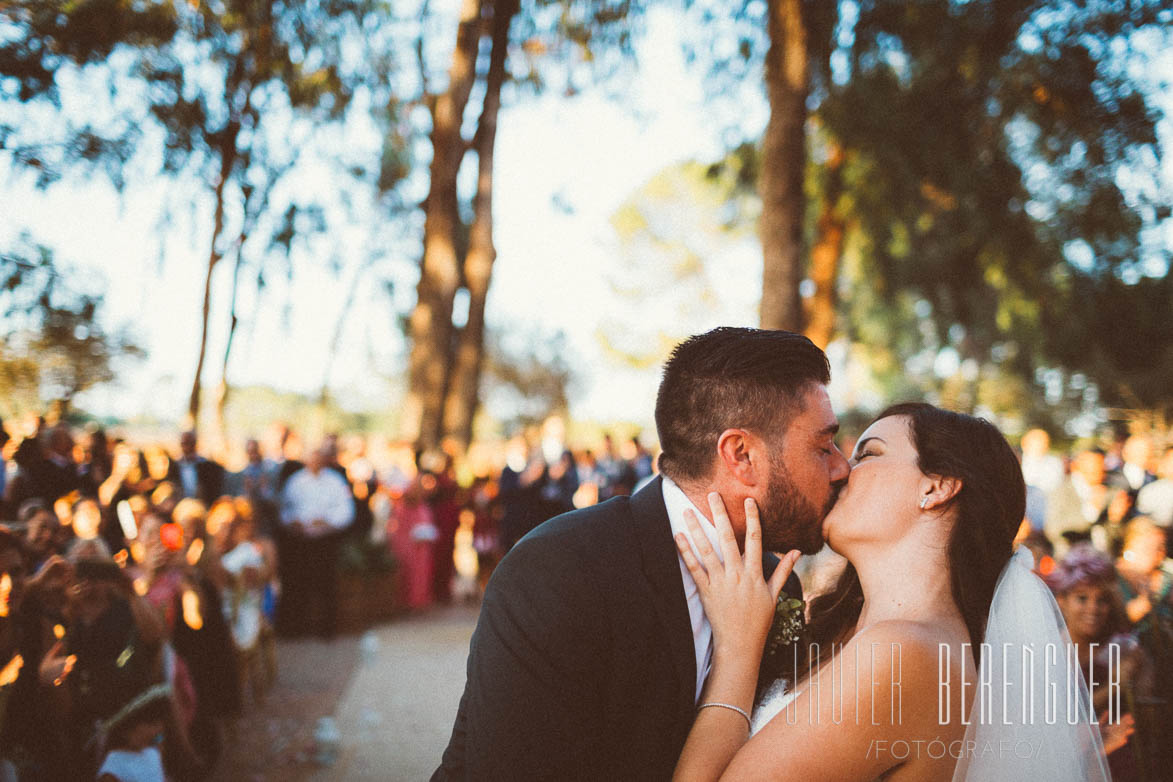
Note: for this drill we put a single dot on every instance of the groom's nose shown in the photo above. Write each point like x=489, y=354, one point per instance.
x=840, y=469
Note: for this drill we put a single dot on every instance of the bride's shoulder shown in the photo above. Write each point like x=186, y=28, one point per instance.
x=914, y=646
x=911, y=631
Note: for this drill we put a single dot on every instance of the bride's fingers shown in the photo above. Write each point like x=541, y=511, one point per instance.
x=694, y=567
x=782, y=572
x=725, y=534
x=753, y=536
x=700, y=541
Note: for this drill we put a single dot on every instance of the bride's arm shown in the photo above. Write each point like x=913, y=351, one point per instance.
x=718, y=732
x=874, y=708
x=740, y=606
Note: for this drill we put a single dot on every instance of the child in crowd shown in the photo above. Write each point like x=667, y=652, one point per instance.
x=134, y=734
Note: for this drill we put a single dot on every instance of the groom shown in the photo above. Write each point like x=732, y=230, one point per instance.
x=592, y=646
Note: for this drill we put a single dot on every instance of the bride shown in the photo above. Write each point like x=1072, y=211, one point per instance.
x=891, y=686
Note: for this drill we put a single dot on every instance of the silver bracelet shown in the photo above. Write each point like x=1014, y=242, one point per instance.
x=731, y=707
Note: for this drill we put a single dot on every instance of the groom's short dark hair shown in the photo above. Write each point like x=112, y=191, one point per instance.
x=730, y=378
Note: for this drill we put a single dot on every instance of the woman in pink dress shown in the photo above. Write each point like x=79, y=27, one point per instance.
x=412, y=533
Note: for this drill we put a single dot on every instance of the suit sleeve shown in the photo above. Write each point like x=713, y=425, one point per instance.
x=532, y=705
x=793, y=586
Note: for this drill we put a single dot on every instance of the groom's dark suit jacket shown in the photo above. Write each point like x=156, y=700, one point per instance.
x=582, y=663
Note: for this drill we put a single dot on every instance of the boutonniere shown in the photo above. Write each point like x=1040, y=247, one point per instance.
x=786, y=630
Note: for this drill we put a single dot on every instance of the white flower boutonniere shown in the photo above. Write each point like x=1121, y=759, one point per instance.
x=787, y=628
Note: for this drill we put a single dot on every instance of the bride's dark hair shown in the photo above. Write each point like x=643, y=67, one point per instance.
x=989, y=510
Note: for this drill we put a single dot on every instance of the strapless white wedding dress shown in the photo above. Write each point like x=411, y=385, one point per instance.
x=1064, y=746
x=776, y=698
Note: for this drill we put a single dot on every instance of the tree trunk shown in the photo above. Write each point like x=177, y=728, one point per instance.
x=826, y=253
x=228, y=156
x=430, y=325
x=227, y=159
x=255, y=201
x=223, y=389
x=783, y=165
x=460, y=404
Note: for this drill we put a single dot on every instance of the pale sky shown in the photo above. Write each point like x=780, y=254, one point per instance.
x=551, y=274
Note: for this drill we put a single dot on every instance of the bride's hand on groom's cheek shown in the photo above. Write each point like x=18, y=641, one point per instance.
x=738, y=601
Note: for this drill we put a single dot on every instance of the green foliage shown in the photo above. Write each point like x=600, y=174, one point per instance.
x=998, y=191
x=225, y=98
x=231, y=85
x=1123, y=338
x=42, y=36
x=567, y=43
x=53, y=345
x=42, y=39
x=988, y=149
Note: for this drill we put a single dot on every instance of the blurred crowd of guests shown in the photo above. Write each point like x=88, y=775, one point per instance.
x=142, y=588
x=137, y=599
x=1099, y=521
x=426, y=509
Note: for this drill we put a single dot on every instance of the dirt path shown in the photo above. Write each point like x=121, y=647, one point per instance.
x=393, y=704
x=274, y=739
x=396, y=716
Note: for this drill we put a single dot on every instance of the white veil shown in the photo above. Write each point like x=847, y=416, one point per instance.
x=1033, y=720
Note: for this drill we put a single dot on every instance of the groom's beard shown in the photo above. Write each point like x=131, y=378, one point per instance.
x=790, y=520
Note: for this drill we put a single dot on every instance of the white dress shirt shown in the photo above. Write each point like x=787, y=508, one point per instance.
x=1135, y=474
x=1155, y=500
x=1045, y=472
x=188, y=477
x=676, y=503
x=323, y=496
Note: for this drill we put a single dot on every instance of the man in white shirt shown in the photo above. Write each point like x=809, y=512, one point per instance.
x=1134, y=474
x=1078, y=502
x=1043, y=473
x=1155, y=499
x=1040, y=467
x=316, y=509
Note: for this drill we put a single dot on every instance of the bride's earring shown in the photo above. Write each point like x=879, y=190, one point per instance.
x=923, y=502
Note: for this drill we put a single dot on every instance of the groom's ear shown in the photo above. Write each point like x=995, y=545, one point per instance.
x=737, y=451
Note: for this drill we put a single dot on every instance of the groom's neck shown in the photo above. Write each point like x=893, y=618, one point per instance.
x=698, y=495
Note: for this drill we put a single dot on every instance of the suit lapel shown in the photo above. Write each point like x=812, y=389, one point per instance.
x=662, y=568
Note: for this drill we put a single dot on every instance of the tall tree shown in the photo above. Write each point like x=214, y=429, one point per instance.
x=444, y=362
x=989, y=147
x=430, y=325
x=978, y=177
x=464, y=382
x=827, y=250
x=784, y=167
x=986, y=159
x=254, y=203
